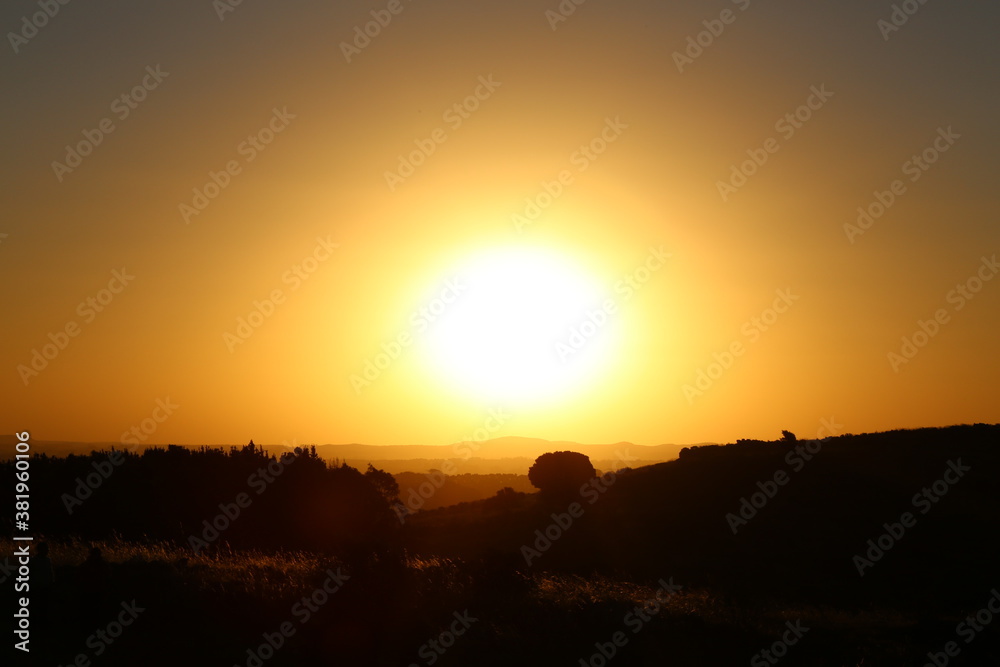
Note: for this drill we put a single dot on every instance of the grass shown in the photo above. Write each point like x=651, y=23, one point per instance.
x=551, y=615
x=256, y=573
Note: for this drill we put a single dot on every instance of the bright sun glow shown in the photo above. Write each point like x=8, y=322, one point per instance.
x=527, y=326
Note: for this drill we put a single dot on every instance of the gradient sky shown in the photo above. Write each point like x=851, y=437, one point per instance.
x=343, y=125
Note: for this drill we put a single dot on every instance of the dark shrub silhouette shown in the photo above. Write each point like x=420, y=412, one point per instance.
x=384, y=483
x=561, y=474
x=205, y=498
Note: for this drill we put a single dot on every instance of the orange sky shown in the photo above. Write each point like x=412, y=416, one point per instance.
x=301, y=159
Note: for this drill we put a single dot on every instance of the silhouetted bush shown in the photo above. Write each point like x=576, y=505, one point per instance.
x=209, y=496
x=561, y=474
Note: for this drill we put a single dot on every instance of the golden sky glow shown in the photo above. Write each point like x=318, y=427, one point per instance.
x=258, y=219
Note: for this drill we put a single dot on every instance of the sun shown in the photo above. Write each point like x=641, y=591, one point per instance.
x=523, y=325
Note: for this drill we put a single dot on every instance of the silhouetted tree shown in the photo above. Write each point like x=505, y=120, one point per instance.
x=384, y=483
x=561, y=474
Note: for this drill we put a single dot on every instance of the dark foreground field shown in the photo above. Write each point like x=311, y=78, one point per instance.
x=647, y=569
x=228, y=609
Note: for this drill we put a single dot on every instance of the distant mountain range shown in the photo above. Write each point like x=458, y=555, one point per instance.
x=500, y=455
